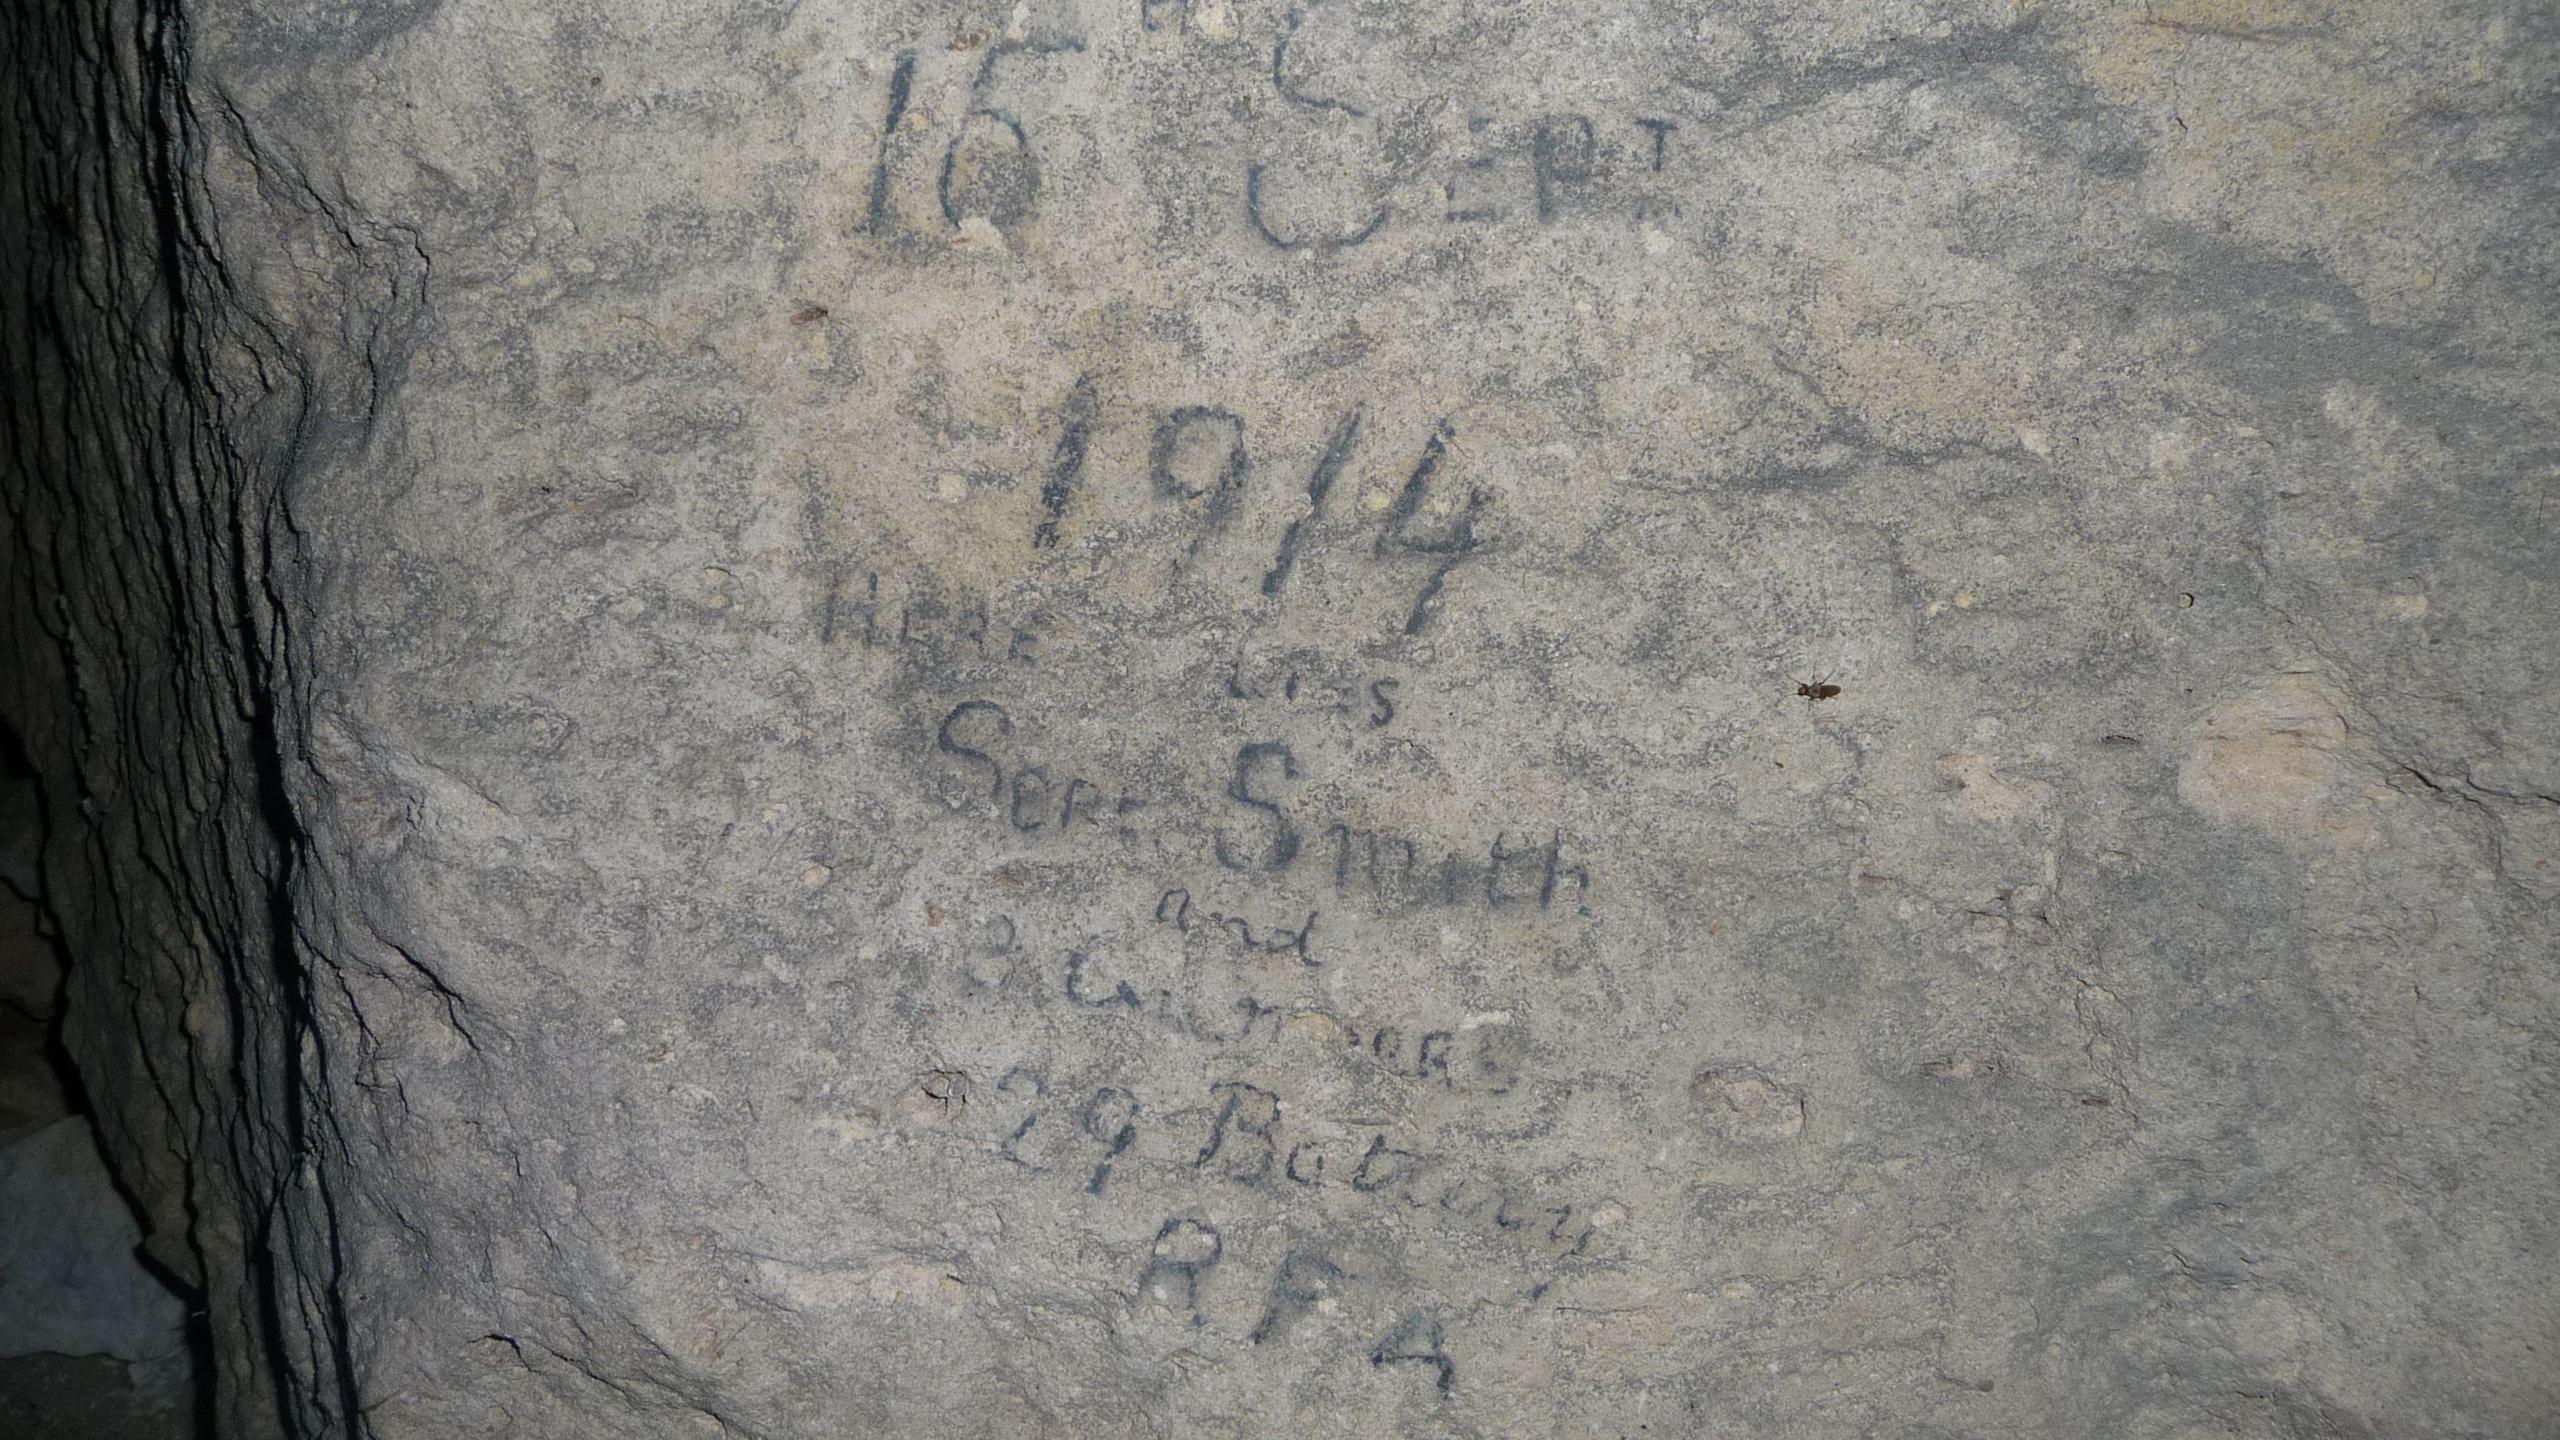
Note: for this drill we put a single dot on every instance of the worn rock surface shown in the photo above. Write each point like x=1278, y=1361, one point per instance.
x=1201, y=718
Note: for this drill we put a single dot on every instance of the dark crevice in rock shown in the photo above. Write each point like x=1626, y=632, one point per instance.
x=117, y=1381
x=157, y=410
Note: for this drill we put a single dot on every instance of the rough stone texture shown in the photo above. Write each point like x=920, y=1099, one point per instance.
x=1084, y=719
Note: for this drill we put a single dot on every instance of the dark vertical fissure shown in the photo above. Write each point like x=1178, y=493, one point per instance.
x=155, y=417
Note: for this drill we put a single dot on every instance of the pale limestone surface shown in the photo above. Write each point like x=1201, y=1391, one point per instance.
x=1085, y=721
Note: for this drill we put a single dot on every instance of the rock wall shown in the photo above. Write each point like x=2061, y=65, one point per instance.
x=1204, y=718
x=194, y=333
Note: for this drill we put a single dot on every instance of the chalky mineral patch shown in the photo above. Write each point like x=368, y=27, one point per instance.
x=1211, y=718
